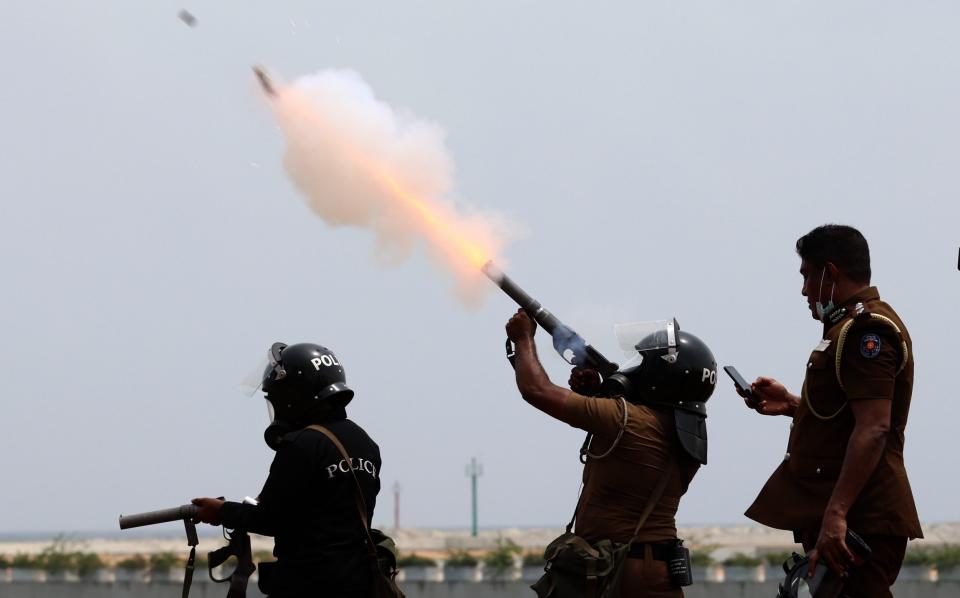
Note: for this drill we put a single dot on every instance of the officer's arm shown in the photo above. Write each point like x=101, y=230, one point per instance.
x=287, y=473
x=863, y=452
x=532, y=381
x=868, y=368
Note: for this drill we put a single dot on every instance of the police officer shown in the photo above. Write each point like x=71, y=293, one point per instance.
x=309, y=501
x=844, y=462
x=647, y=425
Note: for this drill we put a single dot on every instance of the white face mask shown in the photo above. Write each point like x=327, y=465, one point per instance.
x=825, y=310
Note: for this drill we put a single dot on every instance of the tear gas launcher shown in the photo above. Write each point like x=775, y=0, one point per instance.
x=570, y=345
x=238, y=546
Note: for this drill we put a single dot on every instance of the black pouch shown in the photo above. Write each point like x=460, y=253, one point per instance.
x=678, y=565
x=266, y=580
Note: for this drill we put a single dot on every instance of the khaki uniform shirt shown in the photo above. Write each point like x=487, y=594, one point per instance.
x=866, y=354
x=615, y=488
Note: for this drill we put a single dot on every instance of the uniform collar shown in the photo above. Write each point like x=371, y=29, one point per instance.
x=867, y=294
x=854, y=304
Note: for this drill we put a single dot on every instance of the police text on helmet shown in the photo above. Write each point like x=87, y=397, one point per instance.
x=327, y=360
x=709, y=374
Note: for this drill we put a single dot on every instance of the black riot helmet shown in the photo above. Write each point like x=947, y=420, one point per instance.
x=297, y=380
x=676, y=370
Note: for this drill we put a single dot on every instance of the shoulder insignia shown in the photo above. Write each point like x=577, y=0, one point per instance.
x=858, y=308
x=870, y=345
x=878, y=318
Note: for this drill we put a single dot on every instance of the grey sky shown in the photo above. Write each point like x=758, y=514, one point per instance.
x=663, y=160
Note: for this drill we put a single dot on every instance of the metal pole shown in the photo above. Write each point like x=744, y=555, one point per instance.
x=474, y=470
x=396, y=505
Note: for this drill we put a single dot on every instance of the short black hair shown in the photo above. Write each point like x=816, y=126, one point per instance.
x=842, y=245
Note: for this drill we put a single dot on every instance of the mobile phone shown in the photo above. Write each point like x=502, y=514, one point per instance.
x=742, y=384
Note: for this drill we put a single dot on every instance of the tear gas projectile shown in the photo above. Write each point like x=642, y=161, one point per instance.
x=265, y=81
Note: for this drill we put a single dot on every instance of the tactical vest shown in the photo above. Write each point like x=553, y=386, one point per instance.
x=796, y=495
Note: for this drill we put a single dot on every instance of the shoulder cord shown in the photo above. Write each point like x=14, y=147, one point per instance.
x=841, y=340
x=652, y=501
x=361, y=503
x=585, y=449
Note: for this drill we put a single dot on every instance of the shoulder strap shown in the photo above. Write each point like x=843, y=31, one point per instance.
x=358, y=494
x=654, y=497
x=586, y=455
x=652, y=500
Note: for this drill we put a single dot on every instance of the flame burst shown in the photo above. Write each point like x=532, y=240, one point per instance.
x=360, y=164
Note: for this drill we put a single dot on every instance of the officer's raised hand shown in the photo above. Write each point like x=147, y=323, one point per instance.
x=585, y=381
x=521, y=327
x=770, y=398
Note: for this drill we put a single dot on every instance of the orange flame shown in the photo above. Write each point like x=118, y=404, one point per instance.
x=446, y=230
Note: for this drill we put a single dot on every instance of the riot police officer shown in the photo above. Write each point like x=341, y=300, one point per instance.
x=648, y=435
x=309, y=501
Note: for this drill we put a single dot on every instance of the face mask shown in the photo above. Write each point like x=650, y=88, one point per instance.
x=823, y=311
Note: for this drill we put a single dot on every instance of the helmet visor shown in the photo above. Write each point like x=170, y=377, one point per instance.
x=271, y=413
x=269, y=365
x=253, y=381
x=654, y=337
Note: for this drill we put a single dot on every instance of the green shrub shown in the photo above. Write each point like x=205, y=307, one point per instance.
x=500, y=559
x=56, y=558
x=742, y=560
x=918, y=556
x=777, y=559
x=534, y=559
x=4, y=561
x=86, y=563
x=461, y=558
x=701, y=557
x=24, y=561
x=946, y=556
x=162, y=561
x=415, y=560
x=136, y=562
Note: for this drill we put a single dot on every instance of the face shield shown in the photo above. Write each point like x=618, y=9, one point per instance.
x=269, y=367
x=638, y=340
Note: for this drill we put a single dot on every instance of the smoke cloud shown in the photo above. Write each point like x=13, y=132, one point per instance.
x=360, y=163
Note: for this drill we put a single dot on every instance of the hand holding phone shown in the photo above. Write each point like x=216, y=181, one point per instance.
x=742, y=385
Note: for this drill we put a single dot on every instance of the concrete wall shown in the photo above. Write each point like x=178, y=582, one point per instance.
x=906, y=589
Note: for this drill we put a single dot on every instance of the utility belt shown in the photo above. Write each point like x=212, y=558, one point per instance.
x=660, y=551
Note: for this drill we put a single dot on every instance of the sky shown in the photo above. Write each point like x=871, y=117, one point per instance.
x=660, y=159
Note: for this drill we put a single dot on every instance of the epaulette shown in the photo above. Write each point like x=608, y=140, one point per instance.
x=861, y=314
